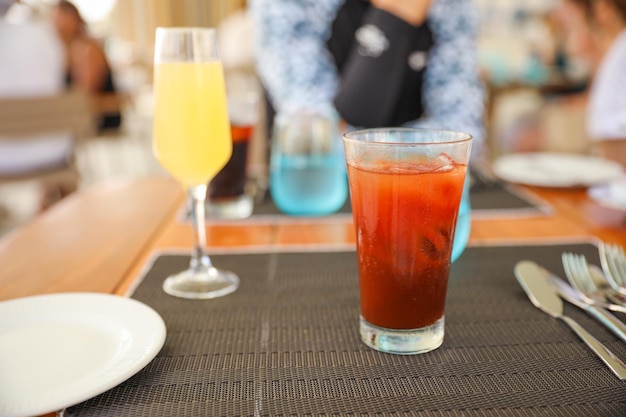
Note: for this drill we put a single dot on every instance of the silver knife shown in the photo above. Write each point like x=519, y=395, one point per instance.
x=534, y=281
x=574, y=297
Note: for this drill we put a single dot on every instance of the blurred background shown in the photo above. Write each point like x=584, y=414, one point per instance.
x=535, y=91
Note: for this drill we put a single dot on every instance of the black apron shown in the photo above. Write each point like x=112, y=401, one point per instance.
x=407, y=104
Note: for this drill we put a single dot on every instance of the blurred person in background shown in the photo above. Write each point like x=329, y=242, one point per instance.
x=32, y=63
x=376, y=63
x=596, y=30
x=87, y=66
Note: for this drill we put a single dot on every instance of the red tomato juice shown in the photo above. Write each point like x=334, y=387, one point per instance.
x=405, y=220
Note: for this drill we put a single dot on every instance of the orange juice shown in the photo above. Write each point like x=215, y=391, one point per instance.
x=191, y=128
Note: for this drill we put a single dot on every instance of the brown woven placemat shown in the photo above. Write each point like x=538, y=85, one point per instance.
x=286, y=344
x=483, y=197
x=503, y=198
x=495, y=199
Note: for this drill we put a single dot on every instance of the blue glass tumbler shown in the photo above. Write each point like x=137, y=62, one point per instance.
x=463, y=223
x=307, y=165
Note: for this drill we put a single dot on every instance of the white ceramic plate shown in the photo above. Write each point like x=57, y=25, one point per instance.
x=555, y=170
x=611, y=194
x=61, y=349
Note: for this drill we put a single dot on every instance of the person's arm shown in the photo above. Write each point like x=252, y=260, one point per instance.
x=454, y=96
x=606, y=108
x=89, y=66
x=292, y=60
x=614, y=150
x=413, y=12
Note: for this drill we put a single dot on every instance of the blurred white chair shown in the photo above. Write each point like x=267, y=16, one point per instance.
x=29, y=118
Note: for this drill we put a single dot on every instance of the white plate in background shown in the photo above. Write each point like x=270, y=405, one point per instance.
x=555, y=169
x=61, y=349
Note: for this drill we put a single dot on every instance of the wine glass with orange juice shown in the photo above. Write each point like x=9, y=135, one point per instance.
x=192, y=141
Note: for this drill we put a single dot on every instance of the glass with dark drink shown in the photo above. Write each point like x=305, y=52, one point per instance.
x=227, y=191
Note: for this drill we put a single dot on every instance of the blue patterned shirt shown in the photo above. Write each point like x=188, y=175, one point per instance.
x=299, y=73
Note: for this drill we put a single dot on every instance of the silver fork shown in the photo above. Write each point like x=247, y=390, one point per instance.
x=579, y=275
x=613, y=263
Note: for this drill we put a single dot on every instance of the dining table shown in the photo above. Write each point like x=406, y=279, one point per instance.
x=286, y=342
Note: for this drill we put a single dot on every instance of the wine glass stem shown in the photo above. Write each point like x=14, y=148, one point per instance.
x=200, y=261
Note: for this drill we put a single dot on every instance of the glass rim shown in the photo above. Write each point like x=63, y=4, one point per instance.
x=185, y=44
x=456, y=136
x=186, y=29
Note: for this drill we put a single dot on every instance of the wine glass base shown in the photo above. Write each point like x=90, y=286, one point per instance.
x=201, y=285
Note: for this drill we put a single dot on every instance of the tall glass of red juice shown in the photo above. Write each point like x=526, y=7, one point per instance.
x=405, y=186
